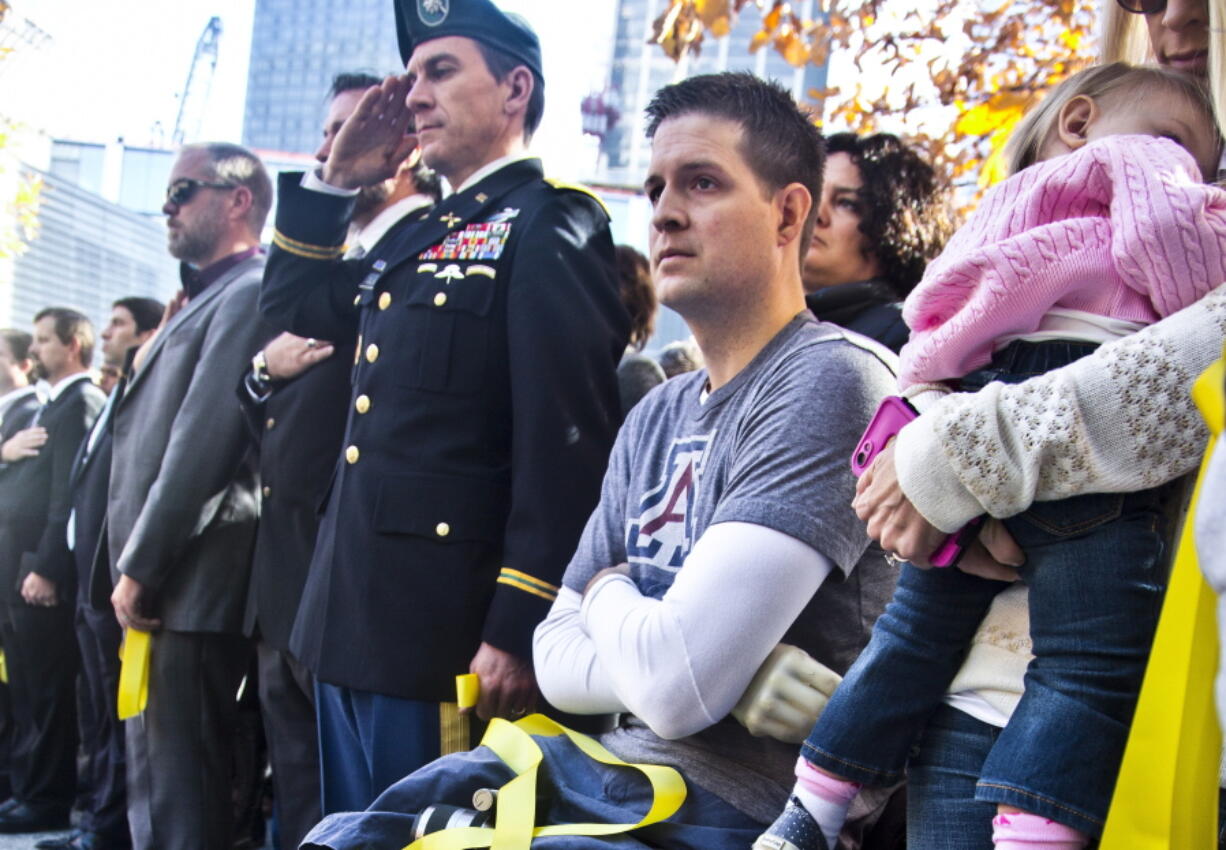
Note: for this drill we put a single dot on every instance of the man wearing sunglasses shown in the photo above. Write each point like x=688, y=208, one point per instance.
x=182, y=506
x=484, y=398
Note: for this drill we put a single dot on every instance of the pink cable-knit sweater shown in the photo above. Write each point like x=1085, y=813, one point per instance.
x=1122, y=228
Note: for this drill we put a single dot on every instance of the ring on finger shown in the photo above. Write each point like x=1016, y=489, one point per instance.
x=312, y=343
x=893, y=560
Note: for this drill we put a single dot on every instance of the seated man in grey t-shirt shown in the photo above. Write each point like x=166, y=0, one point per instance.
x=725, y=523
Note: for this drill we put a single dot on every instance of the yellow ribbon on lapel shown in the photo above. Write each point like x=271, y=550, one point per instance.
x=1166, y=797
x=134, y=674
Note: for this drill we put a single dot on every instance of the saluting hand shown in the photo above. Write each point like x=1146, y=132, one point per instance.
x=374, y=140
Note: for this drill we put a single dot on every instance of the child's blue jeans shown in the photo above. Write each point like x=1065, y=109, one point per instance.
x=1096, y=568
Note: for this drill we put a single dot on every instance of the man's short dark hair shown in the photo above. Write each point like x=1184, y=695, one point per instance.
x=237, y=166
x=424, y=178
x=69, y=325
x=779, y=141
x=905, y=205
x=146, y=312
x=18, y=343
x=352, y=81
x=500, y=64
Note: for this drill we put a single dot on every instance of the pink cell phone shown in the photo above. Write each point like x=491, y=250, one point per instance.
x=892, y=414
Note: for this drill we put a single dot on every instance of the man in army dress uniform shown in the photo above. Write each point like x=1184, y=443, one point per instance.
x=295, y=397
x=484, y=399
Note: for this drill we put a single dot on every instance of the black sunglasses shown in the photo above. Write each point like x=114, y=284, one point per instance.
x=184, y=189
x=1142, y=7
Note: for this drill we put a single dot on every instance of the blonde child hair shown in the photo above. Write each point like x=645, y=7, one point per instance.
x=1097, y=83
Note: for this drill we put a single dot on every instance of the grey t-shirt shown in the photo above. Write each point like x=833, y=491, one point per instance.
x=770, y=447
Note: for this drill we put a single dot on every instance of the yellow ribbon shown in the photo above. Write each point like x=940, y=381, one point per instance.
x=467, y=690
x=515, y=812
x=1166, y=797
x=134, y=674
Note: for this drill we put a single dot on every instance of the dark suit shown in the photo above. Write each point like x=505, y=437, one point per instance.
x=103, y=789
x=40, y=647
x=299, y=427
x=181, y=517
x=16, y=417
x=483, y=408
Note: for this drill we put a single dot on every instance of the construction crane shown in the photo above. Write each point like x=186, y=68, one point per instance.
x=195, y=98
x=17, y=36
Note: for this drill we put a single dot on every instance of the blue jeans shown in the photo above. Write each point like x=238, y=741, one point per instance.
x=1096, y=569
x=571, y=788
x=942, y=812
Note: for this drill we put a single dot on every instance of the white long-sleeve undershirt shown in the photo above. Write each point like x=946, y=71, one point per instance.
x=681, y=662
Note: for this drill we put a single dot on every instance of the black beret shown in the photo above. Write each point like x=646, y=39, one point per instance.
x=422, y=20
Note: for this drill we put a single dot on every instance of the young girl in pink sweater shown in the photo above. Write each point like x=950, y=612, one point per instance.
x=1105, y=226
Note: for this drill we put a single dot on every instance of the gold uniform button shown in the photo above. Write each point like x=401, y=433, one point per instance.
x=442, y=529
x=271, y=423
x=362, y=403
x=440, y=299
x=267, y=491
x=385, y=300
x=352, y=454
x=372, y=353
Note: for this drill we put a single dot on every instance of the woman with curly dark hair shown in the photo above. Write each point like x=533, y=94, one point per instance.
x=637, y=373
x=883, y=214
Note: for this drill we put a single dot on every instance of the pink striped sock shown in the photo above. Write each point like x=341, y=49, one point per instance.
x=833, y=790
x=1024, y=831
x=825, y=798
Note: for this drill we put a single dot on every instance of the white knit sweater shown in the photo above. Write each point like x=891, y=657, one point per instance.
x=1119, y=420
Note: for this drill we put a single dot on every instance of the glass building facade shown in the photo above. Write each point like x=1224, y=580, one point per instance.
x=297, y=47
x=89, y=253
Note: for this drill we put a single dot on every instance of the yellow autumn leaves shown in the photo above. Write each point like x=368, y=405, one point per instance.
x=977, y=65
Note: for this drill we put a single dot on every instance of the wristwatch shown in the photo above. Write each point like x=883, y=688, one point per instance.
x=259, y=365
x=258, y=381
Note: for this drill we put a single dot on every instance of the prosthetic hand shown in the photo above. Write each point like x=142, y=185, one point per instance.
x=787, y=695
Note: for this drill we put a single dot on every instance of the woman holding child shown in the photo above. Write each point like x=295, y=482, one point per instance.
x=1116, y=420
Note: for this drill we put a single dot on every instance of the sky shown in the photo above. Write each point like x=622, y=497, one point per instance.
x=116, y=69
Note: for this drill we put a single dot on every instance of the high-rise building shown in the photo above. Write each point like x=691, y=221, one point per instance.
x=297, y=47
x=88, y=253
x=639, y=68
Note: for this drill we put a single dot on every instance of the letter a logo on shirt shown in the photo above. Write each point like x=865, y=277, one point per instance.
x=663, y=533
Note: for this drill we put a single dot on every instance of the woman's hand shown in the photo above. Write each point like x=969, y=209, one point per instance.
x=901, y=529
x=892, y=520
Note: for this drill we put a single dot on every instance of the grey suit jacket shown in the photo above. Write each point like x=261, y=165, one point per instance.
x=182, y=507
